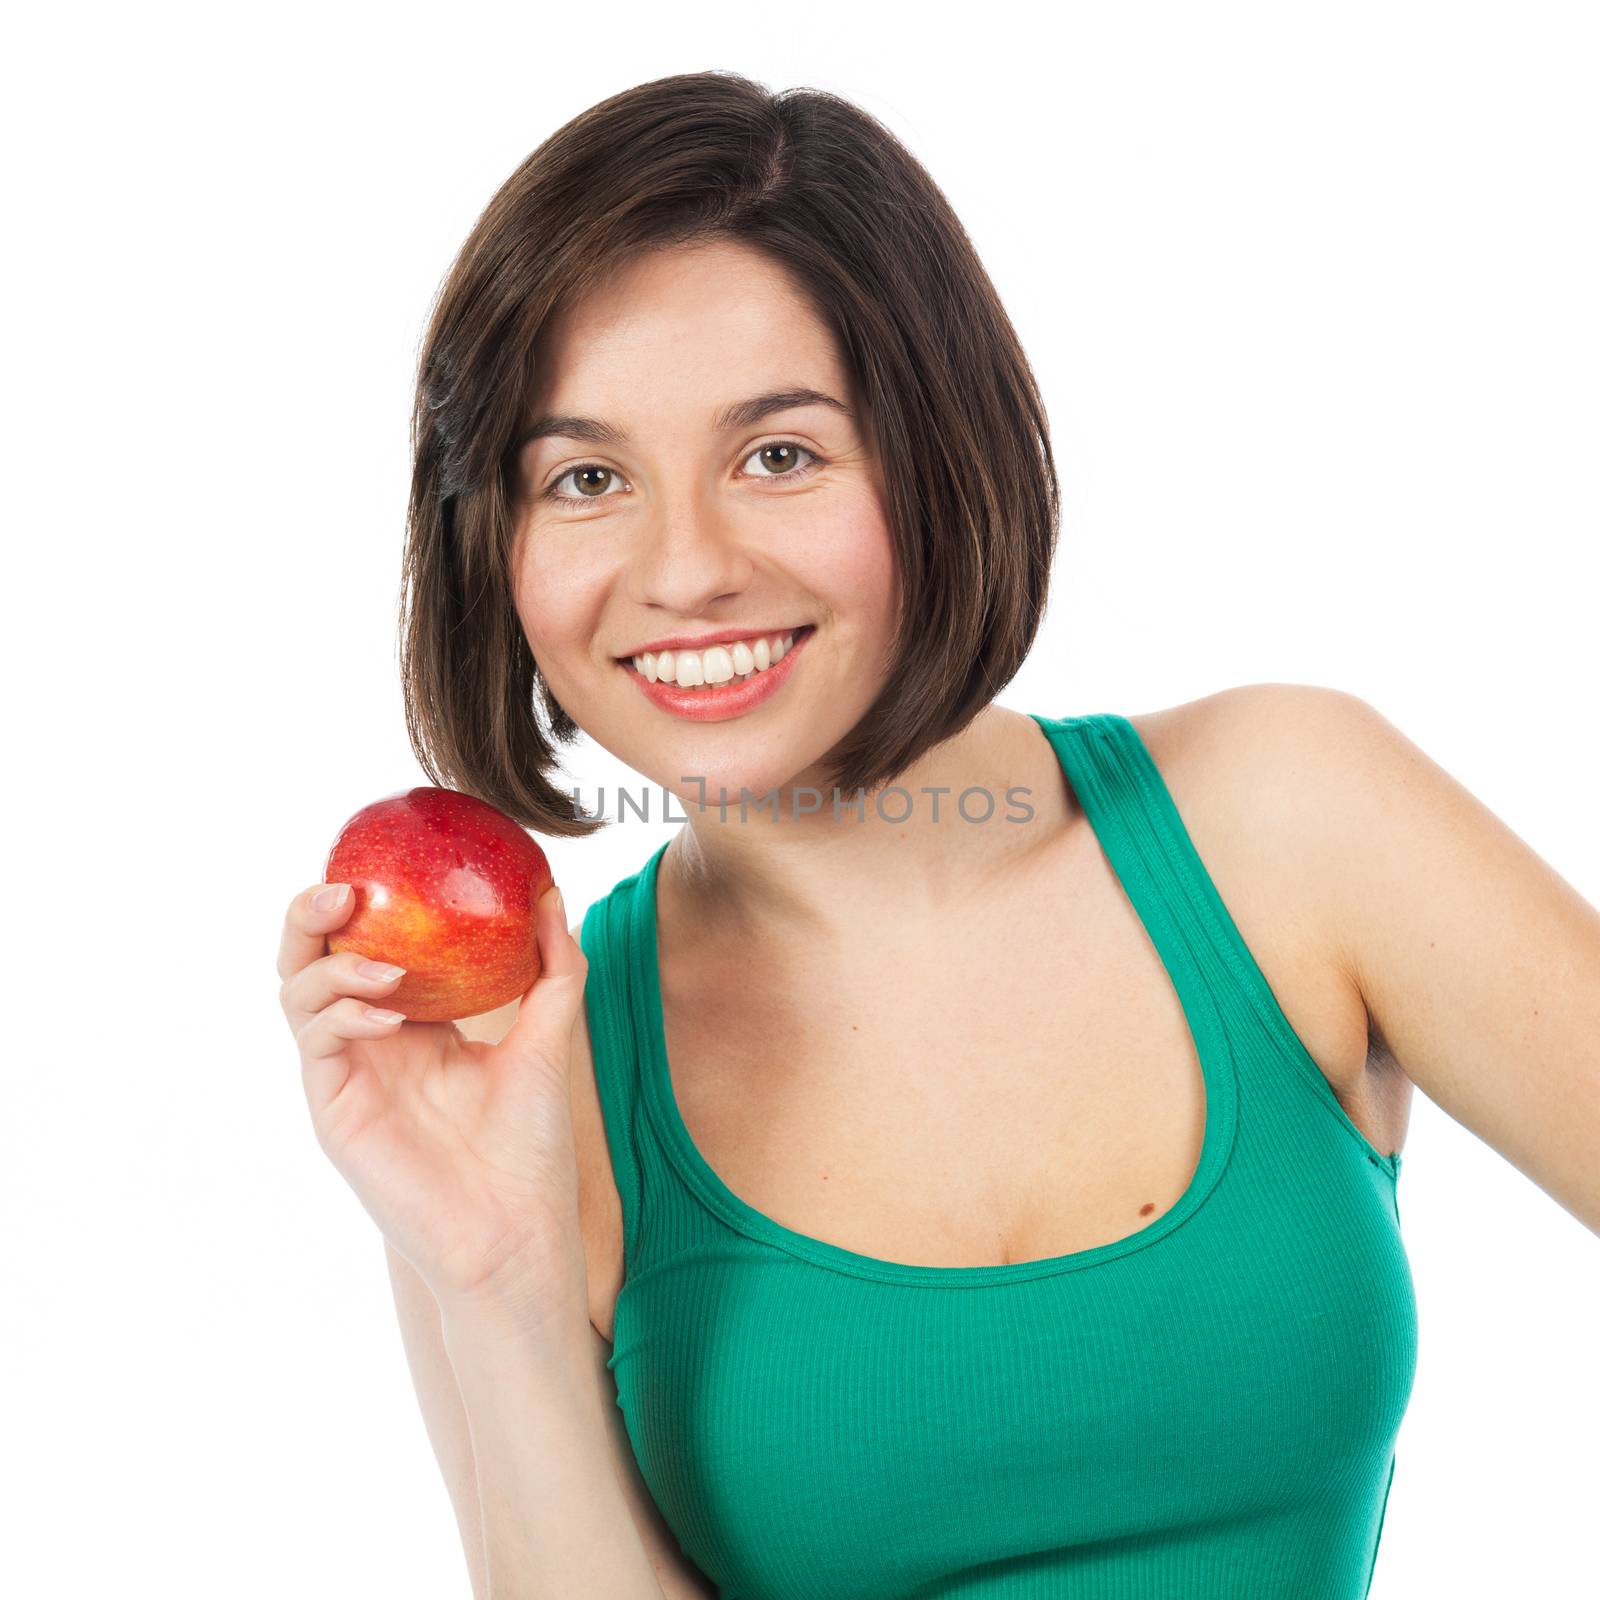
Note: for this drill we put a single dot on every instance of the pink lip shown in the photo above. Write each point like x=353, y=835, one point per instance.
x=726, y=699
x=682, y=641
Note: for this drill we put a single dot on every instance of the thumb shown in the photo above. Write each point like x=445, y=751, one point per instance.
x=549, y=1010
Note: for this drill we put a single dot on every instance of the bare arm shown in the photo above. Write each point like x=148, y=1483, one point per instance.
x=1478, y=963
x=554, y=1518
x=449, y=1432
x=445, y=1417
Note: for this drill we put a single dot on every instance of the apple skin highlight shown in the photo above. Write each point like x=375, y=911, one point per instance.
x=447, y=887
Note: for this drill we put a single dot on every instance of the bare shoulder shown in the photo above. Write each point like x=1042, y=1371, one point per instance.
x=1254, y=768
x=1248, y=770
x=1257, y=741
x=1477, y=963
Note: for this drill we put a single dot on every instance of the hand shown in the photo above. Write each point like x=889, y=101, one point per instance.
x=462, y=1152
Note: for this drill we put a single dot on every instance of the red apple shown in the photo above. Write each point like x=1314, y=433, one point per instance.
x=446, y=886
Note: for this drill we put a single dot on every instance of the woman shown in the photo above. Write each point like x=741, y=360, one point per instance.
x=1017, y=1213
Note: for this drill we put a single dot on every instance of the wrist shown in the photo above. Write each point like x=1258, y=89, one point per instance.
x=540, y=1310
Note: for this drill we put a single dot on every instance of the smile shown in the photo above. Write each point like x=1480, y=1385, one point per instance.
x=721, y=681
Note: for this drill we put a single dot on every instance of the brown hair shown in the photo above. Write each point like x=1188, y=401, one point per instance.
x=952, y=406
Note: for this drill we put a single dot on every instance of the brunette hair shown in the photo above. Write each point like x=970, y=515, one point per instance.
x=951, y=408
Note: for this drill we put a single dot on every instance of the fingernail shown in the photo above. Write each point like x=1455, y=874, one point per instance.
x=327, y=899
x=384, y=971
x=561, y=906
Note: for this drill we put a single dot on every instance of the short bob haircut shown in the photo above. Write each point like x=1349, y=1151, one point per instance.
x=952, y=412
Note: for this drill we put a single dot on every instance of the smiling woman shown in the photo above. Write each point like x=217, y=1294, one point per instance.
x=955, y=1209
x=732, y=281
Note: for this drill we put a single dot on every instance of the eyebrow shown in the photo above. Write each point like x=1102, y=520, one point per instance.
x=741, y=414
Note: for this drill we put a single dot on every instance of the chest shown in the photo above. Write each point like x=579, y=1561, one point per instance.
x=1013, y=1084
x=950, y=1101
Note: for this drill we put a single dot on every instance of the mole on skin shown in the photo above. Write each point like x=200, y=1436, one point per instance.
x=1147, y=1208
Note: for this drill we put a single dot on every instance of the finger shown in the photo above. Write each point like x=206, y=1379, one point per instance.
x=307, y=925
x=325, y=1068
x=549, y=1010
x=333, y=1027
x=329, y=977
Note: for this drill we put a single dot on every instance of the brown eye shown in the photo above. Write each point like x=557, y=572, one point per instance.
x=586, y=479
x=781, y=457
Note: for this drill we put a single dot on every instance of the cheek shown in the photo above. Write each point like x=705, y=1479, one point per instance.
x=556, y=596
x=850, y=561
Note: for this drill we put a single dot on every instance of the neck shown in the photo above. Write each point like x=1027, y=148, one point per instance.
x=837, y=882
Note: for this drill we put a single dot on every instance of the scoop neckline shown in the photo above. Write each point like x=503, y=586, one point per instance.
x=1204, y=1022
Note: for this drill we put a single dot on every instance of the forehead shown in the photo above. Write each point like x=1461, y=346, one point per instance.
x=710, y=322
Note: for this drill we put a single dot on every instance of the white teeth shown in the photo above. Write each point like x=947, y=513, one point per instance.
x=693, y=669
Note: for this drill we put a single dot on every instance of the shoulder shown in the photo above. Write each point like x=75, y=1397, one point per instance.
x=1316, y=780
x=1265, y=777
x=1278, y=761
x=1477, y=963
x=1286, y=766
x=1266, y=741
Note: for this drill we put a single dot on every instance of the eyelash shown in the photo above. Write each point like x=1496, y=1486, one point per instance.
x=566, y=500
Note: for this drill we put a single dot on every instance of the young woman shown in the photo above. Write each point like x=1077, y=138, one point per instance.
x=968, y=1166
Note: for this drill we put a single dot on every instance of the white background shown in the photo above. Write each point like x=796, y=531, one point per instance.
x=1311, y=294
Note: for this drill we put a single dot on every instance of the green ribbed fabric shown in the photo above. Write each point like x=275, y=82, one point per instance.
x=1206, y=1408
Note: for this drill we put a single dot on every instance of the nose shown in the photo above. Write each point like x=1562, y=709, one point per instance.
x=689, y=560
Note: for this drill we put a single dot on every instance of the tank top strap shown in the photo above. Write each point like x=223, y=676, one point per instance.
x=1143, y=834
x=1133, y=816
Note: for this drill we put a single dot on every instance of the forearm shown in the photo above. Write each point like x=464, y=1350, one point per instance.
x=555, y=1522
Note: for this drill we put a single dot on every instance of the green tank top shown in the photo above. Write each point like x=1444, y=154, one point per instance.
x=1205, y=1408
